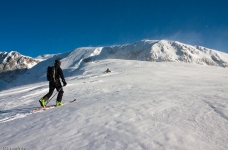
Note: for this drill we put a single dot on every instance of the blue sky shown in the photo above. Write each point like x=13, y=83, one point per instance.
x=36, y=27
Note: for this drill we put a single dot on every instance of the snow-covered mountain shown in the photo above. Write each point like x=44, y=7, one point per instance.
x=14, y=60
x=179, y=103
x=145, y=50
x=165, y=51
x=13, y=64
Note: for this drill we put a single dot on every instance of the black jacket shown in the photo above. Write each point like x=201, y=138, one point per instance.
x=59, y=74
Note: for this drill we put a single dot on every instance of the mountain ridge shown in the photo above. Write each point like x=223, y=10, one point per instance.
x=13, y=64
x=166, y=51
x=14, y=60
x=144, y=50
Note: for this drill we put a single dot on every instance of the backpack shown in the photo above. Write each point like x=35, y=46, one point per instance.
x=51, y=73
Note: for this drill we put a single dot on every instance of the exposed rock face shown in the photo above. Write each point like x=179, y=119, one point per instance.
x=13, y=64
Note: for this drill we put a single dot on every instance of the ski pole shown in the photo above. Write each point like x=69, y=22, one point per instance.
x=53, y=96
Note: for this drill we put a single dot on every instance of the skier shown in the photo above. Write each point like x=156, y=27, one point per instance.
x=55, y=84
x=108, y=70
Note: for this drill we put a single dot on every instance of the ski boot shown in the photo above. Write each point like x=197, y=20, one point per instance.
x=59, y=103
x=42, y=102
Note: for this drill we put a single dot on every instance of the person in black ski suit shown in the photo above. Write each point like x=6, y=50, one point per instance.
x=56, y=84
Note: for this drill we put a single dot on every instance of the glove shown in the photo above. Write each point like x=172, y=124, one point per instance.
x=64, y=83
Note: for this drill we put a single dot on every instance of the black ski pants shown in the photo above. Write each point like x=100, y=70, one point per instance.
x=52, y=86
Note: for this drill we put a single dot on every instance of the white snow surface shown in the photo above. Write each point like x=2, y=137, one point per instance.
x=139, y=105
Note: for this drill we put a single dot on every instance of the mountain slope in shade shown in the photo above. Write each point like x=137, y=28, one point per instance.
x=13, y=64
x=14, y=60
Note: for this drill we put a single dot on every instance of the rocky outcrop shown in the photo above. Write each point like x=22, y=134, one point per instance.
x=13, y=64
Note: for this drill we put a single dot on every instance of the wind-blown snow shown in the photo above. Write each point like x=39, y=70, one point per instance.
x=44, y=57
x=144, y=104
x=139, y=105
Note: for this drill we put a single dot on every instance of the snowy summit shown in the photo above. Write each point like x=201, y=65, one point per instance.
x=158, y=95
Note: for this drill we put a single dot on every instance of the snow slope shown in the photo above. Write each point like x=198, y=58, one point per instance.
x=139, y=105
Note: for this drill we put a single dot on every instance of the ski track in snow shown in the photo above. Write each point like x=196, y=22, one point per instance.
x=140, y=105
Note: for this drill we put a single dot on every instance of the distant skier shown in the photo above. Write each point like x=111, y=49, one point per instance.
x=53, y=75
x=108, y=70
